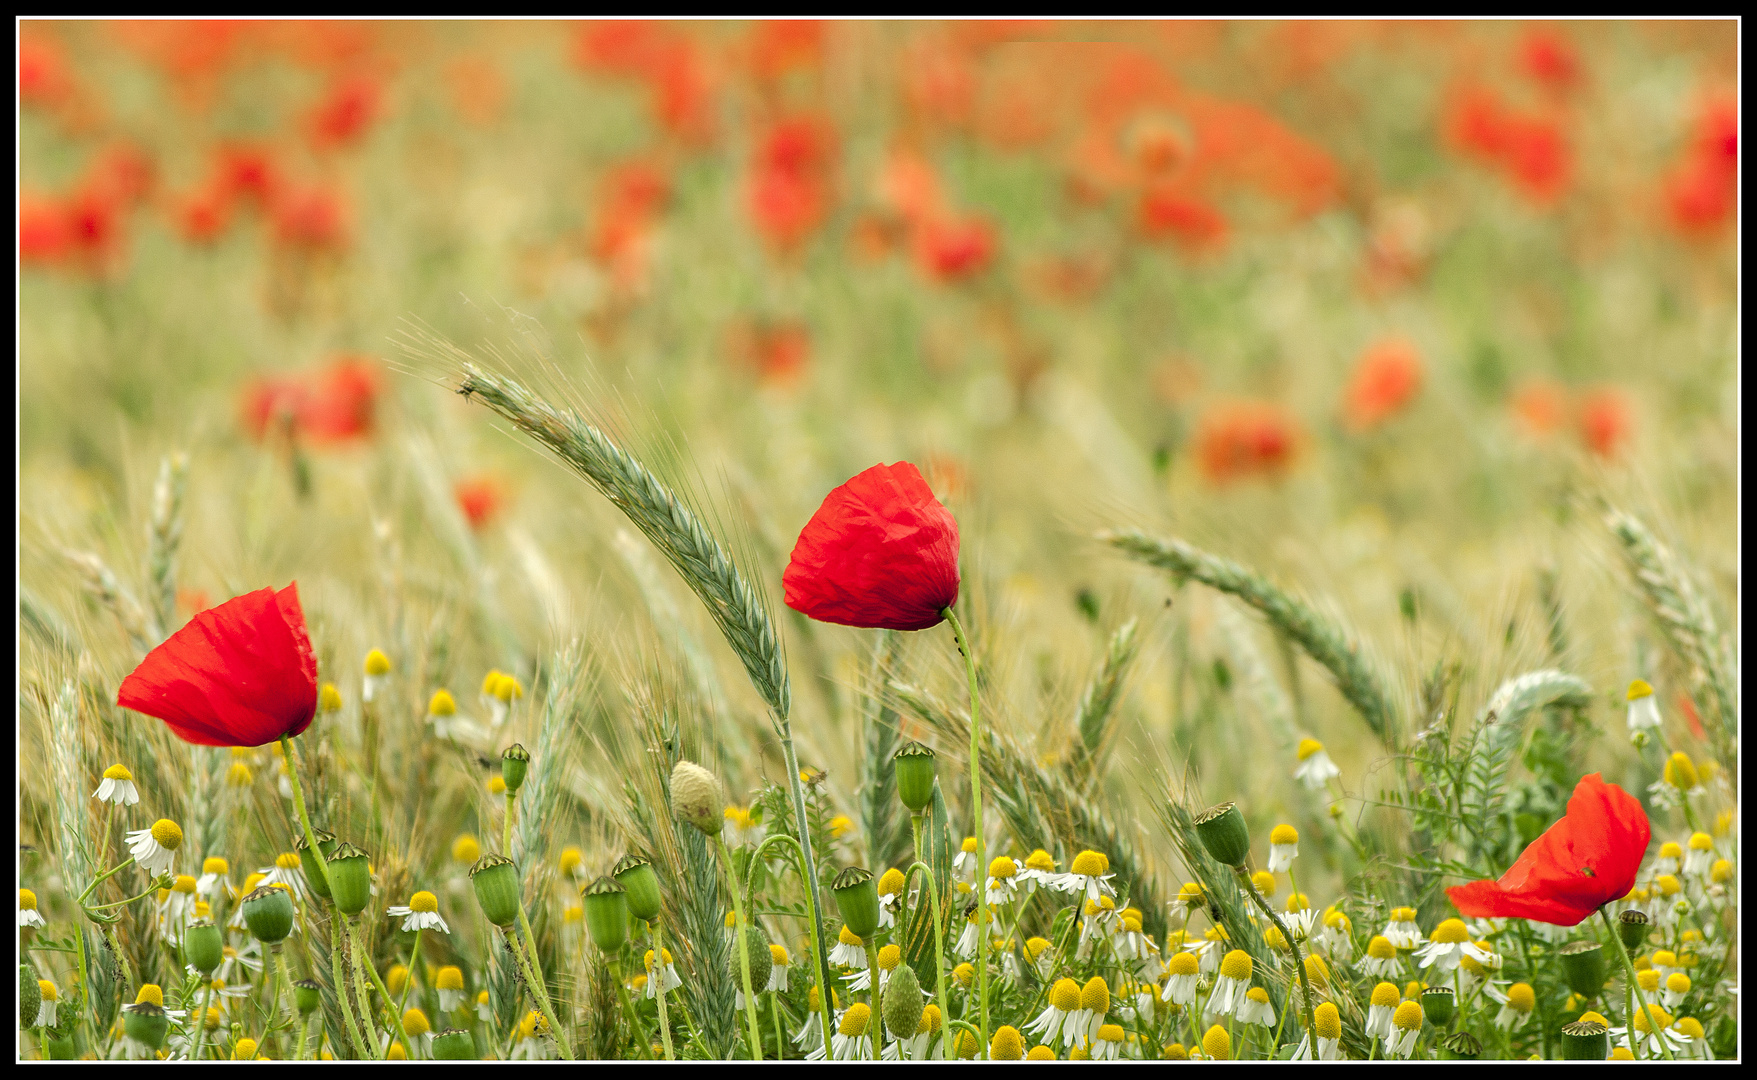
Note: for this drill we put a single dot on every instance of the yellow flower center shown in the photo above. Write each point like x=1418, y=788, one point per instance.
x=1678, y=983
x=1336, y=920
x=964, y=974
x=1264, y=882
x=1407, y=1017
x=1175, y=1052
x=423, y=901
x=1671, y=849
x=1002, y=868
x=1284, y=836
x=840, y=825
x=1236, y=965
x=1091, y=864
x=415, y=1023
x=1521, y=997
x=969, y=845
x=1258, y=995
x=377, y=663
x=1680, y=772
x=244, y=1050
x=442, y=704
x=167, y=834
x=1006, y=1045
x=1721, y=872
x=1450, y=932
x=450, y=977
x=183, y=884
x=1701, y=841
x=1040, y=860
x=150, y=993
x=1316, y=970
x=1273, y=938
x=48, y=991
x=1667, y=884
x=1065, y=995
x=1308, y=747
x=506, y=688
x=287, y=860
x=27, y=900
x=778, y=955
x=848, y=937
x=854, y=1020
x=1594, y=1017
x=1095, y=995
x=213, y=864
x=1386, y=995
x=465, y=849
x=930, y=1019
x=1328, y=1021
x=1190, y=892
x=889, y=957
x=1182, y=963
x=118, y=772
x=891, y=882
x=1638, y=688
x=497, y=785
x=1108, y=1032
x=649, y=958
x=1217, y=1044
x=1040, y=1053
x=1665, y=958
x=1297, y=901
x=1380, y=948
x=1689, y=1027
x=1403, y=914
x=1648, y=979
x=1645, y=1021
x=329, y=699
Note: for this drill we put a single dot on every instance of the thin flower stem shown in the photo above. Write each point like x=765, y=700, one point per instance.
x=283, y=982
x=357, y=946
x=634, y=1021
x=101, y=877
x=780, y=1036
x=506, y=841
x=304, y=1038
x=409, y=980
x=664, y=1020
x=121, y=957
x=152, y=887
x=939, y=934
x=338, y=960
x=872, y=993
x=1635, y=986
x=976, y=812
x=1292, y=946
x=207, y=995
x=527, y=954
x=808, y=870
x=756, y=1031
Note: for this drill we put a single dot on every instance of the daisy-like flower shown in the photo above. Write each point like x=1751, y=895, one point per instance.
x=1283, y=848
x=1670, y=858
x=1182, y=977
x=888, y=959
x=1447, y=945
x=1664, y=962
x=851, y=1042
x=1064, y=999
x=1691, y=1028
x=970, y=938
x=1666, y=888
x=1652, y=1027
x=850, y=951
x=1003, y=880
x=1643, y=707
x=964, y=862
x=571, y=862
x=377, y=675
x=1406, y=1029
x=1210, y=949
x=483, y=1012
x=1189, y=898
x=841, y=825
x=285, y=871
x=1038, y=955
x=28, y=915
x=212, y=881
x=1328, y=1020
x=1315, y=767
x=176, y=907
x=1380, y=1008
x=51, y=997
x=810, y=1036
x=890, y=894
x=499, y=692
x=448, y=723
x=229, y=997
x=1299, y=916
x=1089, y=874
x=421, y=913
x=1700, y=857
x=117, y=787
x=1401, y=931
x=155, y=849
x=1517, y=1002
x=1083, y=1023
x=1039, y=869
x=1230, y=987
x=666, y=980
x=1264, y=882
x=779, y=962
x=534, y=1040
x=1256, y=1009
x=740, y=828
x=1100, y=917
x=1130, y=942
x=1335, y=936
x=1107, y=1042
x=449, y=981
x=240, y=964
x=1677, y=984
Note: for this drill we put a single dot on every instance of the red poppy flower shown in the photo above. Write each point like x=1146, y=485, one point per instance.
x=1388, y=376
x=881, y=552
x=1605, y=422
x=1245, y=438
x=1581, y=863
x=241, y=674
x=480, y=498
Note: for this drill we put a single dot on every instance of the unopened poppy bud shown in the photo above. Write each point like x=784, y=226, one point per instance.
x=902, y=1002
x=318, y=879
x=1460, y=1046
x=606, y=904
x=30, y=997
x=307, y=996
x=1225, y=835
x=268, y=912
x=203, y=948
x=350, y=879
x=641, y=881
x=496, y=881
x=1583, y=967
x=145, y=1023
x=1585, y=1040
x=756, y=946
x=914, y=768
x=1438, y=1004
x=695, y=797
x=857, y=901
x=514, y=761
x=1632, y=928
x=454, y=1045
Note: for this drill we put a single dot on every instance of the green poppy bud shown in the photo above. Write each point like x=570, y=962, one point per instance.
x=914, y=767
x=145, y=1023
x=902, y=1002
x=317, y=879
x=695, y=798
x=61, y=1047
x=203, y=948
x=497, y=888
x=1585, y=1040
x=1438, y=1004
x=514, y=761
x=1632, y=928
x=307, y=996
x=350, y=882
x=1583, y=967
x=30, y=997
x=642, y=884
x=857, y=901
x=606, y=904
x=1460, y=1046
x=454, y=1045
x=1225, y=834
x=268, y=912
x=756, y=945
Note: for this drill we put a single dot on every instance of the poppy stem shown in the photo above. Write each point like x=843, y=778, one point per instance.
x=640, y=1034
x=207, y=994
x=939, y=933
x=976, y=813
x=1635, y=987
x=409, y=979
x=756, y=1035
x=539, y=988
x=338, y=965
x=801, y=822
x=658, y=925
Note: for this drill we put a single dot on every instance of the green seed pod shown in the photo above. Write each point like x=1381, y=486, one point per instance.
x=1460, y=1046
x=350, y=882
x=514, y=761
x=695, y=798
x=756, y=943
x=30, y=997
x=326, y=844
x=454, y=1045
x=145, y=1023
x=1632, y=928
x=497, y=888
x=606, y=904
x=307, y=996
x=914, y=767
x=1438, y=1004
x=1585, y=1040
x=203, y=948
x=1583, y=967
x=857, y=901
x=641, y=881
x=61, y=1046
x=1225, y=834
x=268, y=912
x=902, y=1002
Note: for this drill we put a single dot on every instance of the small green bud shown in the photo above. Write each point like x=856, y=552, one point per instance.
x=902, y=1002
x=145, y=1023
x=307, y=996
x=606, y=904
x=695, y=798
x=1225, y=834
x=1438, y=1004
x=642, y=882
x=203, y=948
x=30, y=997
x=268, y=912
x=1460, y=1046
x=914, y=768
x=756, y=944
x=514, y=761
x=1585, y=1040
x=857, y=901
x=61, y=1046
x=497, y=888
x=1632, y=928
x=350, y=882
x=1583, y=967
x=454, y=1045
x=326, y=844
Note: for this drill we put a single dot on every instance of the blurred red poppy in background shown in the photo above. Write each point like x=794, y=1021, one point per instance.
x=1701, y=194
x=346, y=112
x=1605, y=421
x=1541, y=406
x=1386, y=379
x=335, y=404
x=948, y=250
x=1239, y=439
x=481, y=498
x=788, y=193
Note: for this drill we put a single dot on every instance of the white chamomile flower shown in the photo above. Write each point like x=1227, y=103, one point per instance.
x=849, y=951
x=175, y=908
x=155, y=849
x=1064, y=999
x=1517, y=1002
x=483, y=1012
x=666, y=980
x=213, y=881
x=1256, y=1009
x=1647, y=1037
x=888, y=959
x=1328, y=1021
x=1283, y=848
x=810, y=1036
x=1381, y=958
x=421, y=913
x=1401, y=931
x=1335, y=935
x=1699, y=859
x=1083, y=1023
x=285, y=871
x=1315, y=767
x=1107, y=1042
x=377, y=675
x=779, y=962
x=1089, y=874
x=890, y=894
x=1182, y=978
x=1234, y=981
x=117, y=787
x=1037, y=872
x=448, y=723
x=741, y=828
x=28, y=915
x=1447, y=945
x=51, y=998
x=449, y=982
x=1405, y=1030
x=1643, y=707
x=1003, y=880
x=1380, y=1008
x=970, y=938
x=851, y=1041
x=964, y=862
